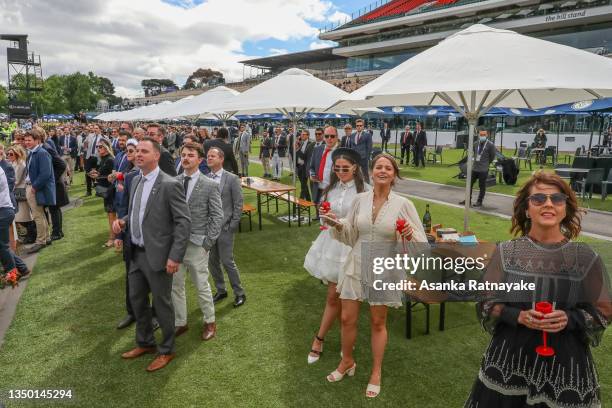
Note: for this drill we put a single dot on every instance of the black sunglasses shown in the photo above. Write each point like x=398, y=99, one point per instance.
x=329, y=136
x=540, y=199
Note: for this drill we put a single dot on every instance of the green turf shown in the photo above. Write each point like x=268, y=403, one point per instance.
x=64, y=336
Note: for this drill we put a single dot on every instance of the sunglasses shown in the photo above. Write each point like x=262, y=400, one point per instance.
x=329, y=136
x=101, y=146
x=340, y=169
x=540, y=199
x=10, y=154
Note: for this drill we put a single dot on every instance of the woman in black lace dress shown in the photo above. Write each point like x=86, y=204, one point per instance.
x=572, y=277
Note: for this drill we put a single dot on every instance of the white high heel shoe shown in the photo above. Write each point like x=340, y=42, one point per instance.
x=315, y=358
x=336, y=375
x=372, y=391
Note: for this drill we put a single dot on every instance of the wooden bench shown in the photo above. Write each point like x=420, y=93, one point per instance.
x=247, y=209
x=300, y=206
x=410, y=305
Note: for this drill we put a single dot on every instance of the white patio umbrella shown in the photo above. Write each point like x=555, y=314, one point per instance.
x=162, y=111
x=481, y=67
x=147, y=113
x=203, y=104
x=293, y=93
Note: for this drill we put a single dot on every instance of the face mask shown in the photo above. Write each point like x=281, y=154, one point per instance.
x=482, y=139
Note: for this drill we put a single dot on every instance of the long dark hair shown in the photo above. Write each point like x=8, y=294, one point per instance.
x=357, y=177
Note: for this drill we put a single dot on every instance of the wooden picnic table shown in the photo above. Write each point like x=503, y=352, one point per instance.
x=264, y=187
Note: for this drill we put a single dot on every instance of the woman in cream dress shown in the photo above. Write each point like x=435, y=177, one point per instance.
x=326, y=257
x=17, y=157
x=372, y=219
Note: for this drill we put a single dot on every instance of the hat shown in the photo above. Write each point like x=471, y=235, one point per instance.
x=132, y=142
x=345, y=151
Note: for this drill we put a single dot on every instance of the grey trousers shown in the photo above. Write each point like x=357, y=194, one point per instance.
x=244, y=164
x=143, y=280
x=222, y=253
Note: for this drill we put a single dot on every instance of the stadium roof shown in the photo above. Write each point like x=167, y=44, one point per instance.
x=297, y=58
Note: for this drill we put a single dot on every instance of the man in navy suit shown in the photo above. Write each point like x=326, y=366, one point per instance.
x=385, y=135
x=361, y=141
x=40, y=185
x=69, y=150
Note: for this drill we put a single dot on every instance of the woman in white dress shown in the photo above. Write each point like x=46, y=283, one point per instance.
x=372, y=219
x=327, y=256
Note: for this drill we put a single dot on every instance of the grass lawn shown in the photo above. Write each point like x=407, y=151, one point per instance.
x=64, y=337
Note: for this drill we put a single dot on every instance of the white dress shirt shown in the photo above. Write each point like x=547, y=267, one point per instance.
x=216, y=176
x=148, y=181
x=192, y=182
x=327, y=171
x=29, y=161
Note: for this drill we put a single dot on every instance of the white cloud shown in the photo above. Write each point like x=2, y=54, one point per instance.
x=277, y=51
x=316, y=45
x=339, y=17
x=131, y=41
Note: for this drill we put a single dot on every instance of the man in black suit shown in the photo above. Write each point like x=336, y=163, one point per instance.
x=385, y=135
x=229, y=164
x=166, y=162
x=420, y=141
x=303, y=155
x=69, y=150
x=406, y=142
x=346, y=139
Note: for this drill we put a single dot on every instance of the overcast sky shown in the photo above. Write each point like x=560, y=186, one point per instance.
x=128, y=41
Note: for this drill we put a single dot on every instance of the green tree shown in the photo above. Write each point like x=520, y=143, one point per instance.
x=156, y=86
x=3, y=99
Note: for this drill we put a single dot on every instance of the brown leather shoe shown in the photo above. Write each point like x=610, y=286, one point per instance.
x=180, y=330
x=210, y=330
x=160, y=362
x=138, y=351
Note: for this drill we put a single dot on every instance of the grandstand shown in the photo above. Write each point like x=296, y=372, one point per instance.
x=387, y=33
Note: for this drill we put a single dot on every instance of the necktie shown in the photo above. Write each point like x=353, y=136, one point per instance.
x=136, y=209
x=322, y=165
x=186, y=180
x=357, y=137
x=93, y=147
x=212, y=175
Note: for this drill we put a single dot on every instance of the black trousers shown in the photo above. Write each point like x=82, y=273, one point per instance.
x=419, y=156
x=385, y=144
x=56, y=219
x=90, y=164
x=7, y=215
x=304, y=188
x=405, y=151
x=481, y=176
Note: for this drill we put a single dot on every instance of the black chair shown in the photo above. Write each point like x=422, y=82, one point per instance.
x=433, y=156
x=568, y=157
x=605, y=184
x=550, y=151
x=594, y=177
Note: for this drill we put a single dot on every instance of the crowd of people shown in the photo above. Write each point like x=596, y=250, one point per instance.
x=173, y=198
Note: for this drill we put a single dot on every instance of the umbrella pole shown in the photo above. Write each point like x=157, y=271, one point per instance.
x=600, y=129
x=592, y=130
x=294, y=123
x=501, y=143
x=396, y=131
x=436, y=137
x=558, y=133
x=472, y=121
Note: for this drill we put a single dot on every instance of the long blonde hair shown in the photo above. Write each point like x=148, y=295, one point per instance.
x=20, y=153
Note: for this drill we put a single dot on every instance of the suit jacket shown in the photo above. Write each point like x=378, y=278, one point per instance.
x=205, y=210
x=281, y=146
x=266, y=147
x=420, y=140
x=40, y=171
x=363, y=146
x=230, y=164
x=166, y=162
x=385, y=134
x=305, y=158
x=73, y=146
x=406, y=141
x=231, y=199
x=165, y=225
x=315, y=163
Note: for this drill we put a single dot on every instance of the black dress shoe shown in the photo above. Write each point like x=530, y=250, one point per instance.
x=55, y=237
x=239, y=301
x=24, y=274
x=35, y=248
x=155, y=323
x=477, y=204
x=126, y=322
x=219, y=296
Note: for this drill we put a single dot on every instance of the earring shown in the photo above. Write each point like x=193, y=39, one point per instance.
x=527, y=215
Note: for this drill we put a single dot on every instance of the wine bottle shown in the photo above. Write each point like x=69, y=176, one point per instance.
x=427, y=219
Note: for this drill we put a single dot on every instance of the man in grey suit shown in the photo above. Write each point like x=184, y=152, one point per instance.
x=244, y=148
x=204, y=202
x=222, y=252
x=157, y=228
x=361, y=141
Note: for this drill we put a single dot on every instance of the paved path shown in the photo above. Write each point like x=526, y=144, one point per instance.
x=9, y=298
x=597, y=224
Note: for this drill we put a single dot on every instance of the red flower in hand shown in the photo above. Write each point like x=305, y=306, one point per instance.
x=400, y=224
x=12, y=277
x=119, y=176
x=325, y=207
